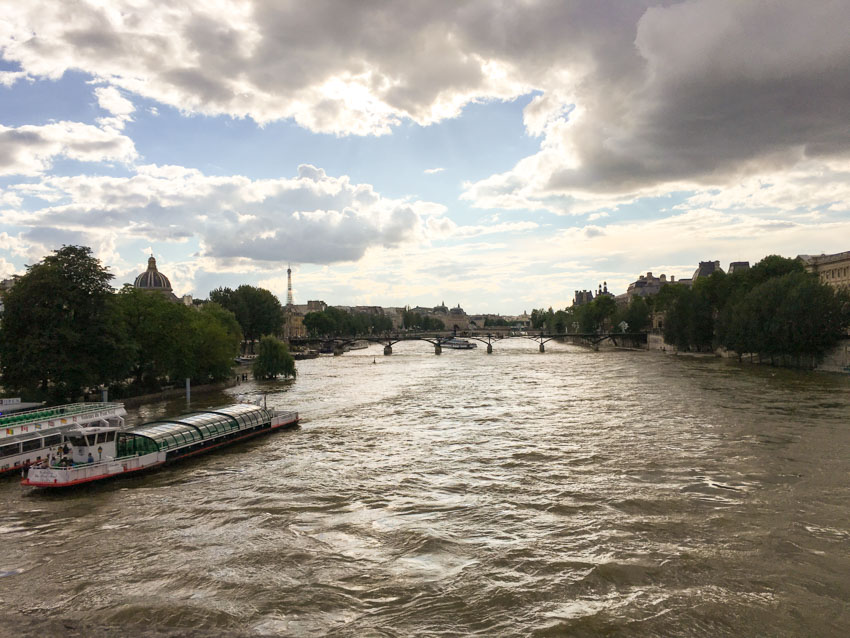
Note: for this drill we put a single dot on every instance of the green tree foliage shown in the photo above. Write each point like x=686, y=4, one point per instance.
x=172, y=342
x=635, y=314
x=689, y=319
x=774, y=310
x=553, y=322
x=539, y=317
x=59, y=333
x=595, y=316
x=334, y=322
x=257, y=310
x=789, y=319
x=414, y=321
x=771, y=267
x=217, y=338
x=273, y=359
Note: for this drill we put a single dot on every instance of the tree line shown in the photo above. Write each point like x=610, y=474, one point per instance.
x=65, y=331
x=335, y=322
x=775, y=311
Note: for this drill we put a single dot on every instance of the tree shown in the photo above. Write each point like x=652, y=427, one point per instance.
x=273, y=359
x=787, y=318
x=771, y=267
x=319, y=324
x=257, y=310
x=160, y=332
x=413, y=320
x=216, y=342
x=592, y=316
x=172, y=342
x=59, y=334
x=636, y=315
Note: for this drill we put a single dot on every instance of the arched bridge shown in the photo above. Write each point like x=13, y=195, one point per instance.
x=440, y=339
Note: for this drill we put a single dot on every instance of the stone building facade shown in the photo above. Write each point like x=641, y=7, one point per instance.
x=831, y=269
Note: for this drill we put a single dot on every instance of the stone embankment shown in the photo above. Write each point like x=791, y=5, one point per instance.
x=835, y=360
x=175, y=392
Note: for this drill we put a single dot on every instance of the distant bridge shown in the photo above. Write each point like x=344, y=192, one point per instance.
x=438, y=339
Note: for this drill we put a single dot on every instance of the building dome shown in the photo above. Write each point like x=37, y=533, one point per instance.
x=152, y=279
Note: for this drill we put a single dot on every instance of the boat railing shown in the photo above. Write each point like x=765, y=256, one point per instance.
x=54, y=416
x=81, y=471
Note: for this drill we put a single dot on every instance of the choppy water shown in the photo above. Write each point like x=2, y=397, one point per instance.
x=516, y=494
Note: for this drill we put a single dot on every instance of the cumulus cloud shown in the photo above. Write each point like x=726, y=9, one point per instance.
x=312, y=218
x=333, y=67
x=30, y=150
x=110, y=99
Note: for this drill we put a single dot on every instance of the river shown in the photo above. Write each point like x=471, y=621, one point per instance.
x=568, y=493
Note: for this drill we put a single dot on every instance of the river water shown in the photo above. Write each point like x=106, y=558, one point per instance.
x=514, y=494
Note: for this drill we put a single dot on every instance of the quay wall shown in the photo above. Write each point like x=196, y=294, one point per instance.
x=837, y=359
x=131, y=402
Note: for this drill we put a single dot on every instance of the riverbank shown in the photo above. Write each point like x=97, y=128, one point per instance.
x=836, y=360
x=173, y=393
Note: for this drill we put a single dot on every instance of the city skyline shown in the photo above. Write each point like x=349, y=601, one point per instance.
x=496, y=155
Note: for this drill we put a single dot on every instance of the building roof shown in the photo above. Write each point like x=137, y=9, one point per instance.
x=705, y=269
x=152, y=279
x=817, y=260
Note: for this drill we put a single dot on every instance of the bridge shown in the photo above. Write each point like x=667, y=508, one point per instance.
x=438, y=339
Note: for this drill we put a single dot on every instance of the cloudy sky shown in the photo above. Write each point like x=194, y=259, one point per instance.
x=497, y=154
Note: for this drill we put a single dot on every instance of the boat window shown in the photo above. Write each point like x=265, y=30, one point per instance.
x=31, y=444
x=110, y=436
x=78, y=440
x=53, y=439
x=9, y=449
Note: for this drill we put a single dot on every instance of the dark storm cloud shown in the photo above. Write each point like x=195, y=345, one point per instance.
x=664, y=92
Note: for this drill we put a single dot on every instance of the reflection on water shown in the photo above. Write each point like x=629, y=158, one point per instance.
x=570, y=493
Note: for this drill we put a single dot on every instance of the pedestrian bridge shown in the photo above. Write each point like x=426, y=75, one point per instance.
x=438, y=339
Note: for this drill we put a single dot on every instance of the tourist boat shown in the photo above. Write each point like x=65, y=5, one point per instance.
x=27, y=436
x=459, y=344
x=95, y=454
x=359, y=344
x=245, y=359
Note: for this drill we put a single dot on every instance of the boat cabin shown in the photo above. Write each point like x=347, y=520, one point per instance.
x=92, y=444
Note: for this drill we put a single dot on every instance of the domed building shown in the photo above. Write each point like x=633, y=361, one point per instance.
x=155, y=281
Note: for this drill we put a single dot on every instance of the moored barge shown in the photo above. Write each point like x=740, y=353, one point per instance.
x=100, y=453
x=28, y=436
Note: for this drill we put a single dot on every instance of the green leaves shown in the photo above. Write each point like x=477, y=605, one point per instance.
x=334, y=322
x=257, y=310
x=59, y=334
x=64, y=332
x=792, y=318
x=273, y=359
x=173, y=341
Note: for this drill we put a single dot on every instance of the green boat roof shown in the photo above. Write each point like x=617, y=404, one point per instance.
x=199, y=426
